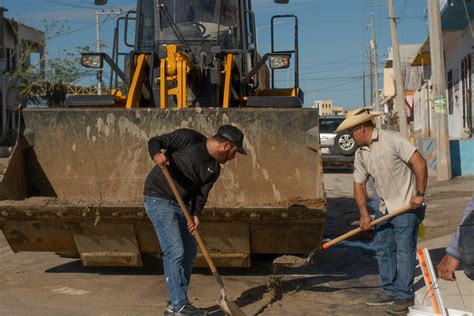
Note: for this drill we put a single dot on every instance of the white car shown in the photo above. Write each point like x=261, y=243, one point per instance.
x=335, y=147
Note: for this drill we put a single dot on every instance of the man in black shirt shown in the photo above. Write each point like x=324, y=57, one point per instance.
x=194, y=163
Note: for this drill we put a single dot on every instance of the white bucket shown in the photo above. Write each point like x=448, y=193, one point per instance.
x=428, y=310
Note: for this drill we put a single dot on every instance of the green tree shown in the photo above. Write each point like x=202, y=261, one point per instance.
x=46, y=80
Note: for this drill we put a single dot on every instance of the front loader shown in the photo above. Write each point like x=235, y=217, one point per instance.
x=75, y=179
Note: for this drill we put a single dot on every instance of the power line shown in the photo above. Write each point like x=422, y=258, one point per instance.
x=71, y=31
x=337, y=61
x=400, y=13
x=332, y=69
x=335, y=86
x=69, y=4
x=468, y=18
x=79, y=29
x=42, y=20
x=328, y=78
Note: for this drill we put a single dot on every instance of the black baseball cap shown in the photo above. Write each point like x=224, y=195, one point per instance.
x=233, y=135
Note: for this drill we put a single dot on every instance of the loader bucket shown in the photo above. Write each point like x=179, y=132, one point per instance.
x=74, y=183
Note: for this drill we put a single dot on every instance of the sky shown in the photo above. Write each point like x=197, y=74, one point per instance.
x=333, y=37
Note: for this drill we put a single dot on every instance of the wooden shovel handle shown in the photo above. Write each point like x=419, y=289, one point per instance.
x=358, y=230
x=189, y=219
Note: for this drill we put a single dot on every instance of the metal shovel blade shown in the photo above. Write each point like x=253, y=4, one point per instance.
x=229, y=307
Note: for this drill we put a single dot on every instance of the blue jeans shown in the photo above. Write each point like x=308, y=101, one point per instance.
x=178, y=246
x=395, y=247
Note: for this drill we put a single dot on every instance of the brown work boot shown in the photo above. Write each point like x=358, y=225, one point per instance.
x=400, y=306
x=380, y=300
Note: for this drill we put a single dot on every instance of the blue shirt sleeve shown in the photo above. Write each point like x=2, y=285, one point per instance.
x=452, y=249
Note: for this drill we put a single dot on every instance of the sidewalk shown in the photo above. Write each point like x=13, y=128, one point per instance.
x=456, y=295
x=446, y=203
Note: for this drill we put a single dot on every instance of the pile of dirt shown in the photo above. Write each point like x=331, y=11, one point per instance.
x=292, y=261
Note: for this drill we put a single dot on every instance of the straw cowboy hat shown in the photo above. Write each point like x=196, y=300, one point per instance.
x=357, y=117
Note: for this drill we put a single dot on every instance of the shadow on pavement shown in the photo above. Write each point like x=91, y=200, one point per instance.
x=152, y=265
x=335, y=265
x=342, y=216
x=343, y=259
x=332, y=169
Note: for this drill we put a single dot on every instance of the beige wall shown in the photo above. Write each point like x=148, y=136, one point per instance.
x=325, y=108
x=388, y=83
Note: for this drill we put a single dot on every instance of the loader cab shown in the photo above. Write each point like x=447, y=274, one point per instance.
x=199, y=53
x=203, y=31
x=201, y=21
x=197, y=21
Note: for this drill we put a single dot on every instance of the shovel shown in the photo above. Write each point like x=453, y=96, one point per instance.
x=353, y=232
x=229, y=307
x=295, y=262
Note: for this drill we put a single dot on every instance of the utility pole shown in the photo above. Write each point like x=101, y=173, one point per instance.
x=397, y=73
x=443, y=156
x=371, y=69
x=363, y=88
x=373, y=48
x=97, y=48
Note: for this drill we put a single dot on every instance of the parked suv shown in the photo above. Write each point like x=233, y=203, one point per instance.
x=335, y=147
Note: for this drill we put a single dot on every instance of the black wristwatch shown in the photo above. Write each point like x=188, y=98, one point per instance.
x=418, y=193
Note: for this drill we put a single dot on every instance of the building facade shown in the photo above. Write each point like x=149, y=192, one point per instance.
x=18, y=44
x=458, y=42
x=326, y=108
x=458, y=46
x=410, y=76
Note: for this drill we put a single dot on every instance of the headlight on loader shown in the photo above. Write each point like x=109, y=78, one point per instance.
x=92, y=60
x=279, y=61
